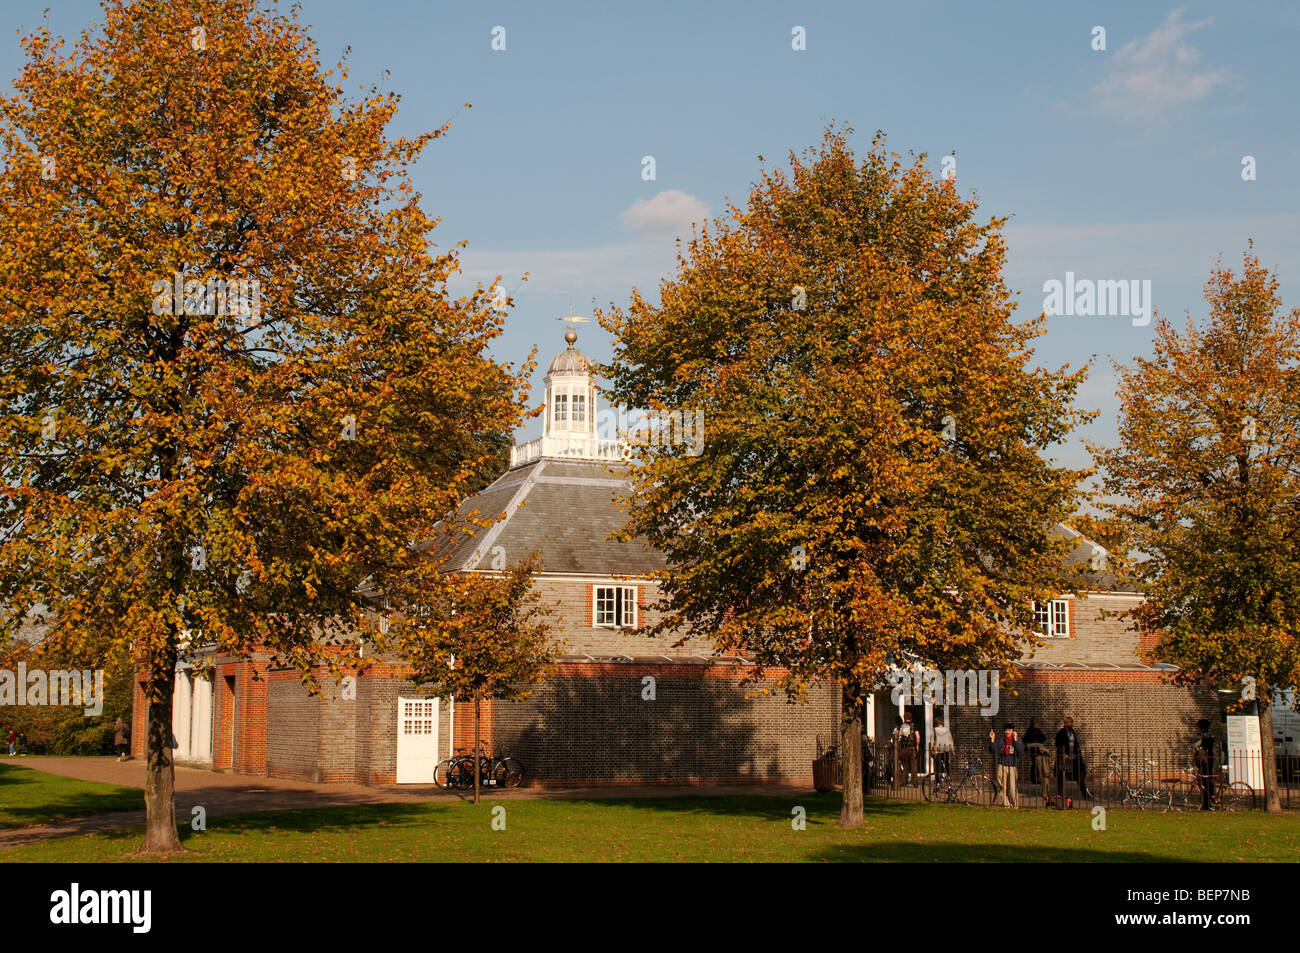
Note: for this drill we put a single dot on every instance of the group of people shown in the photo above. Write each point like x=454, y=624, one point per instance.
x=1007, y=750
x=905, y=747
x=1069, y=760
x=17, y=743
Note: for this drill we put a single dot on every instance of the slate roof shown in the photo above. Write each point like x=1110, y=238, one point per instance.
x=562, y=509
x=566, y=509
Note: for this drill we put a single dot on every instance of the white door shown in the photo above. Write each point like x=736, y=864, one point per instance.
x=201, y=721
x=417, y=740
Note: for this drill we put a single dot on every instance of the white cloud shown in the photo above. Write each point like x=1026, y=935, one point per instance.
x=672, y=211
x=641, y=261
x=595, y=267
x=1157, y=73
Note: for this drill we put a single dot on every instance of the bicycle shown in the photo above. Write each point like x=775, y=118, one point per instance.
x=973, y=788
x=457, y=772
x=1107, y=786
x=1146, y=791
x=1231, y=796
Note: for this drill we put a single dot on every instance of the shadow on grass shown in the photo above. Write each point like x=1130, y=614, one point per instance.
x=324, y=820
x=354, y=818
x=33, y=797
x=314, y=820
x=769, y=806
x=894, y=832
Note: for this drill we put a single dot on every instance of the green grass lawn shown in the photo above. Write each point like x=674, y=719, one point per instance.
x=700, y=829
x=33, y=797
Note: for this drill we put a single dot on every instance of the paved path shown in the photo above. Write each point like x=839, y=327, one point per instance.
x=220, y=793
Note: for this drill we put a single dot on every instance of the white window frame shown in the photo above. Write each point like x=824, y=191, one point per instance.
x=1053, y=619
x=560, y=413
x=578, y=409
x=624, y=604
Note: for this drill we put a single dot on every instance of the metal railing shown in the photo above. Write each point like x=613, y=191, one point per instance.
x=1160, y=780
x=577, y=446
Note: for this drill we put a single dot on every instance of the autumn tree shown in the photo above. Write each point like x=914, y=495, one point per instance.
x=1207, y=476
x=872, y=486
x=70, y=730
x=471, y=635
x=232, y=384
x=1113, y=535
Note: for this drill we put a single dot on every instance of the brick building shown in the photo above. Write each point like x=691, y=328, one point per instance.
x=1092, y=665
x=597, y=720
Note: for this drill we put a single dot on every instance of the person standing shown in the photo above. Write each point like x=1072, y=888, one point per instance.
x=1007, y=751
x=942, y=748
x=1036, y=746
x=121, y=741
x=868, y=762
x=1069, y=757
x=891, y=763
x=909, y=743
x=13, y=743
x=1203, y=751
x=22, y=744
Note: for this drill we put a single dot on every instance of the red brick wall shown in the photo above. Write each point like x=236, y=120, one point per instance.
x=250, y=720
x=223, y=704
x=463, y=736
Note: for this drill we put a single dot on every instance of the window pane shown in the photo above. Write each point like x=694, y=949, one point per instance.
x=629, y=606
x=579, y=408
x=605, y=606
x=561, y=407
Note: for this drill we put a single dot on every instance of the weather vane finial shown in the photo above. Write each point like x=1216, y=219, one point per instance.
x=571, y=336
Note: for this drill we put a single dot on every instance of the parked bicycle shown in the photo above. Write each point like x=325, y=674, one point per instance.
x=973, y=788
x=1136, y=785
x=1231, y=796
x=457, y=772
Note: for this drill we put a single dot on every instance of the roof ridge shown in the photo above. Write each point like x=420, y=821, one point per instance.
x=494, y=533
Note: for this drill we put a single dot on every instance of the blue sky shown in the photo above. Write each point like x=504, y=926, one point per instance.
x=1117, y=164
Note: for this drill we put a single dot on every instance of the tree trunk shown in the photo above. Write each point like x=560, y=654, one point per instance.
x=160, y=774
x=1268, y=757
x=851, y=757
x=478, y=766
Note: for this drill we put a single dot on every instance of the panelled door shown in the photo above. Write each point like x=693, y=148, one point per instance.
x=417, y=740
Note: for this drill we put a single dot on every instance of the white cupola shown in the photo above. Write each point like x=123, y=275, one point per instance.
x=569, y=427
x=570, y=394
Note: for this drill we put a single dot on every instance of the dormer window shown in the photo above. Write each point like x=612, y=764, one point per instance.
x=1053, y=618
x=615, y=607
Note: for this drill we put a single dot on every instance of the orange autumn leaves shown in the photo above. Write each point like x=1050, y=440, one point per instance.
x=1208, y=479
x=872, y=486
x=210, y=478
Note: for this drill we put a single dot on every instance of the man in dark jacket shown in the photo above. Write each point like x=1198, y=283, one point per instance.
x=1069, y=757
x=1036, y=745
x=1006, y=752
